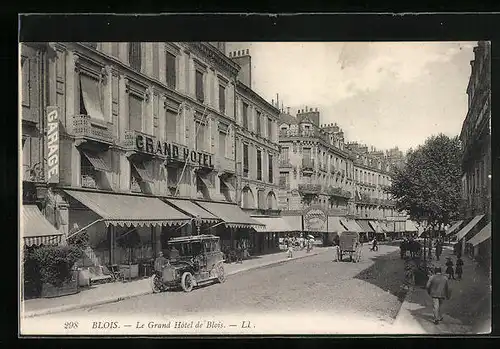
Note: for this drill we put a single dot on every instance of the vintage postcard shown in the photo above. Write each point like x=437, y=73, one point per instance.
x=182, y=188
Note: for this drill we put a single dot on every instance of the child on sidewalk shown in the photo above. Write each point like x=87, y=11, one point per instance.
x=336, y=250
x=458, y=268
x=290, y=250
x=449, y=268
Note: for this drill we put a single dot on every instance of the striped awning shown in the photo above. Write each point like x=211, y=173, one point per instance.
x=334, y=225
x=465, y=230
x=482, y=236
x=129, y=210
x=232, y=215
x=376, y=227
x=193, y=210
x=36, y=229
x=96, y=161
x=365, y=227
x=274, y=224
x=453, y=228
x=351, y=225
x=410, y=226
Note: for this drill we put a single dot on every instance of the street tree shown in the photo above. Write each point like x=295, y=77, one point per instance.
x=428, y=186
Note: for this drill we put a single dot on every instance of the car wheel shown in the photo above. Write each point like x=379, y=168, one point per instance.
x=156, y=284
x=187, y=282
x=221, y=276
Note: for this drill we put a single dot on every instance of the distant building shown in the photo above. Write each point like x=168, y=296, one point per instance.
x=476, y=162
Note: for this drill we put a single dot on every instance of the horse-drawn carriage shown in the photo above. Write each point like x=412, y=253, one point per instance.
x=413, y=247
x=349, y=244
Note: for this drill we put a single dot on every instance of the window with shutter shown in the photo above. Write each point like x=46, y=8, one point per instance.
x=135, y=113
x=91, y=97
x=245, y=116
x=156, y=61
x=134, y=56
x=171, y=126
x=114, y=49
x=200, y=136
x=245, y=160
x=25, y=76
x=258, y=121
x=270, y=129
x=171, y=70
x=200, y=96
x=222, y=144
x=259, y=165
x=271, y=169
x=222, y=99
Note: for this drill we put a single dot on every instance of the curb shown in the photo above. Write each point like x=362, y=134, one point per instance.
x=144, y=293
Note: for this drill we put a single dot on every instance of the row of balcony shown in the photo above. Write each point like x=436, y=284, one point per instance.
x=308, y=165
x=86, y=128
x=373, y=201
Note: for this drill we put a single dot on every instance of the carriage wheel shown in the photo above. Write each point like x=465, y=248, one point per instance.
x=156, y=284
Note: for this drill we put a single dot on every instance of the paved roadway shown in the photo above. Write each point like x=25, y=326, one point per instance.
x=370, y=290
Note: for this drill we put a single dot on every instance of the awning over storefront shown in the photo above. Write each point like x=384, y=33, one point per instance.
x=334, y=225
x=205, y=181
x=351, y=225
x=469, y=227
x=232, y=215
x=36, y=229
x=294, y=222
x=227, y=183
x=129, y=210
x=96, y=161
x=410, y=226
x=142, y=171
x=193, y=210
x=376, y=227
x=453, y=228
x=482, y=236
x=365, y=227
x=275, y=224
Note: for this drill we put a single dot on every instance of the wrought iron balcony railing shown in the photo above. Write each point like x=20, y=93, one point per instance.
x=87, y=128
x=310, y=188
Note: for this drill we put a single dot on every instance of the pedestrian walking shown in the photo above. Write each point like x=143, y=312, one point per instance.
x=449, y=268
x=439, y=290
x=439, y=249
x=458, y=268
x=336, y=251
x=290, y=250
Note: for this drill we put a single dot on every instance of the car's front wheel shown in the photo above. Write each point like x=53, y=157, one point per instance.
x=156, y=284
x=221, y=276
x=187, y=282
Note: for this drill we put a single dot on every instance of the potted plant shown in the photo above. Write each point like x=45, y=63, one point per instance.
x=129, y=241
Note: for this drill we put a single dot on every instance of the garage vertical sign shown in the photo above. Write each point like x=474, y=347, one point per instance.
x=52, y=144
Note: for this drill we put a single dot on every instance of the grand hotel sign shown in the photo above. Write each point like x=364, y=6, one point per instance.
x=172, y=151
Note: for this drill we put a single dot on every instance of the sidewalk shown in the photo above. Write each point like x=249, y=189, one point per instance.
x=114, y=292
x=467, y=312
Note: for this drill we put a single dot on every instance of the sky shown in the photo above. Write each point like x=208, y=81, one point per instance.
x=382, y=94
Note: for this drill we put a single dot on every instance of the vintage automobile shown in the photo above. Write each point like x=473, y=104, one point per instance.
x=192, y=261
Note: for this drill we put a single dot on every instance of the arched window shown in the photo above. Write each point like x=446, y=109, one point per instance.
x=134, y=55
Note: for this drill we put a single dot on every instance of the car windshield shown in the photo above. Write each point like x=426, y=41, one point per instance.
x=184, y=249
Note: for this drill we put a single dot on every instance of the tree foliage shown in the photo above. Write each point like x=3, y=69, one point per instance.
x=428, y=187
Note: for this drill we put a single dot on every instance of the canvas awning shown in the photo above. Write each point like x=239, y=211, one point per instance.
x=365, y=227
x=36, y=229
x=351, y=225
x=193, y=210
x=460, y=235
x=334, y=225
x=453, y=228
x=129, y=210
x=274, y=224
x=142, y=171
x=227, y=183
x=376, y=227
x=205, y=181
x=96, y=161
x=482, y=236
x=232, y=215
x=294, y=222
x=410, y=226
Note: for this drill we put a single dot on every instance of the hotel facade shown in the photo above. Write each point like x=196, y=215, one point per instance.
x=328, y=185
x=151, y=139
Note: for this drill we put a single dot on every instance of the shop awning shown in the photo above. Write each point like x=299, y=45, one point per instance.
x=232, y=215
x=410, y=226
x=129, y=210
x=365, y=227
x=460, y=235
x=142, y=171
x=36, y=229
x=376, y=227
x=227, y=183
x=205, y=181
x=96, y=161
x=334, y=225
x=351, y=225
x=274, y=224
x=453, y=228
x=294, y=222
x=482, y=236
x=193, y=210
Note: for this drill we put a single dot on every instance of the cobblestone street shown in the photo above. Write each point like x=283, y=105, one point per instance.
x=369, y=290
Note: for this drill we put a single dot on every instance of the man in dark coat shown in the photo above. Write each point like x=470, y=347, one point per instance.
x=439, y=289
